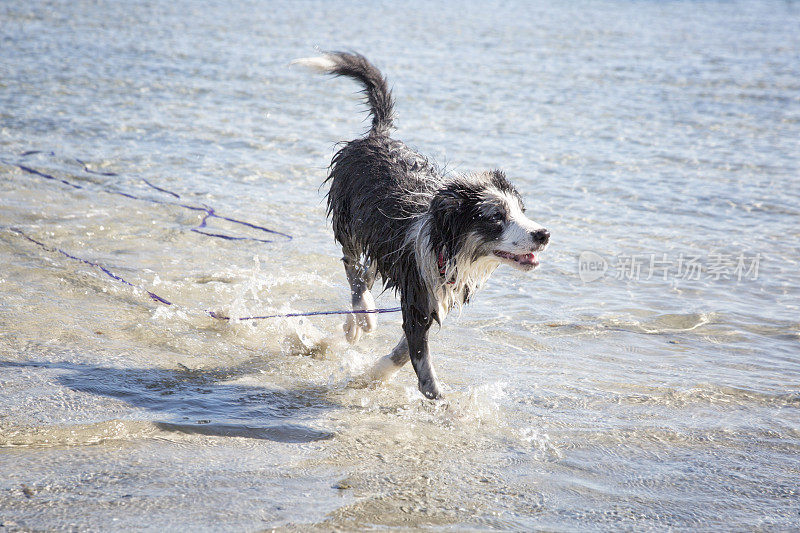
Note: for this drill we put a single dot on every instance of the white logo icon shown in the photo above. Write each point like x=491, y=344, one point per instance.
x=591, y=266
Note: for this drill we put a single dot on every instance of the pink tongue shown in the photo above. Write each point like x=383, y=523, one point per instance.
x=527, y=259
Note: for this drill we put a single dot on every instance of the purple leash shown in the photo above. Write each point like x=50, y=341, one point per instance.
x=218, y=316
x=209, y=211
x=164, y=301
x=200, y=228
x=106, y=271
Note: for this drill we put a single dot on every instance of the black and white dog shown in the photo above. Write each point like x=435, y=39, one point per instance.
x=434, y=238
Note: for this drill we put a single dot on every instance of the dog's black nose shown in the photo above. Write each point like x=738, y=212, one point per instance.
x=540, y=236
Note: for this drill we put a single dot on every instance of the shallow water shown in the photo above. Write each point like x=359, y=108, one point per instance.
x=659, y=140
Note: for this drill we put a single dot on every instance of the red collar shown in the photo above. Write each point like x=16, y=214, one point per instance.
x=442, y=266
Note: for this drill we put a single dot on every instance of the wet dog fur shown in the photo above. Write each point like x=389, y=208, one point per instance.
x=434, y=238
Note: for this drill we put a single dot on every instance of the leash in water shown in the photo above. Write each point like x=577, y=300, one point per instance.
x=209, y=212
x=106, y=271
x=380, y=310
x=200, y=228
x=164, y=301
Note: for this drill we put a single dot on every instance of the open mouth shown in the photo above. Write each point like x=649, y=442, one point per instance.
x=523, y=260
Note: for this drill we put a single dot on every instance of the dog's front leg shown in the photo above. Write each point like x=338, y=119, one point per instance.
x=416, y=330
x=360, y=277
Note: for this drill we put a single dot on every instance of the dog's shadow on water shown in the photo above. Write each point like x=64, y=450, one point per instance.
x=196, y=402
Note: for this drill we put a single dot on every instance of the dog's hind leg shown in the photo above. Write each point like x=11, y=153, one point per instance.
x=388, y=365
x=361, y=277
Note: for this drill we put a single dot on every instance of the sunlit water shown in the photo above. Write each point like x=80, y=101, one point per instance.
x=651, y=397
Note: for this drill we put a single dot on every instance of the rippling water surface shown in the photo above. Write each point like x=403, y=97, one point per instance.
x=657, y=142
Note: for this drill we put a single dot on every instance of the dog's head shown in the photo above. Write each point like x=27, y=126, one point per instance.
x=482, y=215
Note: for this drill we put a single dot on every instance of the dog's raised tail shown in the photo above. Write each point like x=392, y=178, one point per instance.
x=379, y=97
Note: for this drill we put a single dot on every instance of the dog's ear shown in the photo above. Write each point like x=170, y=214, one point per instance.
x=451, y=200
x=446, y=210
x=447, y=200
x=445, y=204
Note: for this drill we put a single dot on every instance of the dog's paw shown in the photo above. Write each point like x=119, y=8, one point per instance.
x=359, y=323
x=352, y=331
x=430, y=389
x=383, y=370
x=367, y=321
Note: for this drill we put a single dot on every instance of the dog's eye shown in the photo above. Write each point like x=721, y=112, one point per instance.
x=497, y=217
